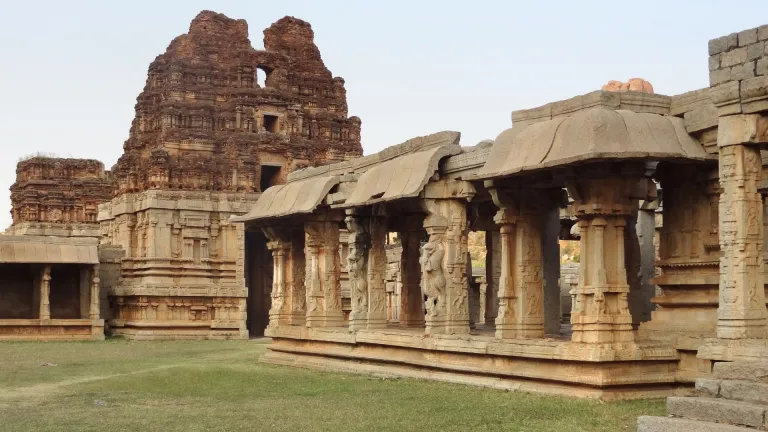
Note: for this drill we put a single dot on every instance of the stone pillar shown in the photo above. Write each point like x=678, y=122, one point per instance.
x=377, y=269
x=280, y=246
x=357, y=259
x=741, y=313
x=600, y=312
x=444, y=267
x=45, y=293
x=412, y=300
x=492, y=276
x=95, y=288
x=521, y=310
x=323, y=269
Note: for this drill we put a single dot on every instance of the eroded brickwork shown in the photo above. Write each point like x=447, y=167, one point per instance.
x=203, y=121
x=55, y=196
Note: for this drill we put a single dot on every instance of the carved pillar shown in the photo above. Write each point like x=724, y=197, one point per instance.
x=95, y=287
x=444, y=267
x=280, y=248
x=357, y=259
x=45, y=293
x=411, y=298
x=521, y=289
x=600, y=312
x=295, y=278
x=741, y=311
x=322, y=273
x=377, y=269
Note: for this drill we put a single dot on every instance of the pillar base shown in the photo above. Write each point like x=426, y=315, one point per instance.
x=520, y=331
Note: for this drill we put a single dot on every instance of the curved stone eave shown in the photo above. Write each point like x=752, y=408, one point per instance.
x=595, y=158
x=290, y=199
x=400, y=178
x=593, y=136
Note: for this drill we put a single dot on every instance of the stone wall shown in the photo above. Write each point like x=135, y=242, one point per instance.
x=738, y=71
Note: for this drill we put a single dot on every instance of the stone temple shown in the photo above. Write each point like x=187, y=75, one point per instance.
x=242, y=207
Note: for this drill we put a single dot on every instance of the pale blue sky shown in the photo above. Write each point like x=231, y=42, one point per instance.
x=71, y=70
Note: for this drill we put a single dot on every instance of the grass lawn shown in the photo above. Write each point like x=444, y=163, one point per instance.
x=220, y=386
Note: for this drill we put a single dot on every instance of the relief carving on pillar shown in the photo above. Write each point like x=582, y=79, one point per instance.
x=357, y=259
x=444, y=266
x=433, y=279
x=741, y=310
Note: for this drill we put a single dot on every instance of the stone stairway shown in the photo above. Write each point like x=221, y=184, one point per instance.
x=734, y=399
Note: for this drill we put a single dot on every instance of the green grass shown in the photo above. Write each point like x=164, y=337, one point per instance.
x=220, y=386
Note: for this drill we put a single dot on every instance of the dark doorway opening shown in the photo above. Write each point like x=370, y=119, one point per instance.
x=65, y=292
x=271, y=123
x=18, y=291
x=258, y=279
x=270, y=176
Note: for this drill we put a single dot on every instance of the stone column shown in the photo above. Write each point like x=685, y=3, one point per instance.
x=600, y=312
x=95, y=288
x=357, y=259
x=280, y=246
x=444, y=267
x=492, y=276
x=45, y=293
x=323, y=283
x=377, y=269
x=521, y=293
x=412, y=300
x=741, y=313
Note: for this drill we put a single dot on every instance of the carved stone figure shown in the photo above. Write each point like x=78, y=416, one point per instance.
x=433, y=279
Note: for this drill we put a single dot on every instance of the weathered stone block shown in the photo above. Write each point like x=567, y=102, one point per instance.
x=719, y=76
x=745, y=391
x=723, y=43
x=747, y=37
x=717, y=410
x=762, y=32
x=743, y=71
x=756, y=51
x=741, y=371
x=734, y=130
x=733, y=57
x=707, y=387
x=714, y=62
x=761, y=67
x=666, y=424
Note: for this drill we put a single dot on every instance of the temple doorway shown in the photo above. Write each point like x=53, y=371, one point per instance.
x=258, y=279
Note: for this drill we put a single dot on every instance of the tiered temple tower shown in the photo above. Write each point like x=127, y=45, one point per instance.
x=58, y=197
x=207, y=138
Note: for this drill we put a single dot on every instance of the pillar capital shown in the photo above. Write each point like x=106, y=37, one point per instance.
x=742, y=129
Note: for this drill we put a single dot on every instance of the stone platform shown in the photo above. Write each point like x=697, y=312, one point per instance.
x=548, y=366
x=51, y=329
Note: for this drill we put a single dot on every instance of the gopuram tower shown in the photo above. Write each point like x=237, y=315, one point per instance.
x=207, y=138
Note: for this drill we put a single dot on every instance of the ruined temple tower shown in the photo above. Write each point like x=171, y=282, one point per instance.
x=207, y=138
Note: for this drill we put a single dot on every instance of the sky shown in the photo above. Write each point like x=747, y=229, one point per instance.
x=70, y=71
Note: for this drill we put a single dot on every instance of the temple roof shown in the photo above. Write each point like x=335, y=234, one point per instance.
x=48, y=250
x=399, y=171
x=593, y=135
